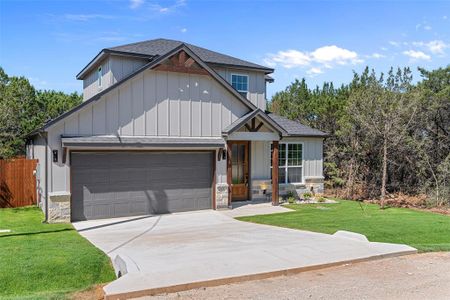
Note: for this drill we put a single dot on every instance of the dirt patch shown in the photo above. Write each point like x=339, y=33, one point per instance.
x=94, y=293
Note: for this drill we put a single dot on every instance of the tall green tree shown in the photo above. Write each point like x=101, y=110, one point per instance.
x=23, y=109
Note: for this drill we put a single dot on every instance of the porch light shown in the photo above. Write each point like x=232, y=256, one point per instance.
x=263, y=187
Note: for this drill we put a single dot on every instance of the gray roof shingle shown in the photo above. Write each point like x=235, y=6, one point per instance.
x=294, y=128
x=160, y=47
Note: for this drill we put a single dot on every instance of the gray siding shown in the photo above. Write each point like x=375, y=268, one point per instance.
x=159, y=104
x=257, y=84
x=37, y=151
x=193, y=106
x=114, y=69
x=122, y=66
x=90, y=84
x=312, y=157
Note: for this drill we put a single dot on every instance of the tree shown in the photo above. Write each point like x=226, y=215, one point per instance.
x=23, y=109
x=385, y=109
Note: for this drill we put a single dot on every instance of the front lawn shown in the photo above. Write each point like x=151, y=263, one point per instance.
x=46, y=261
x=422, y=230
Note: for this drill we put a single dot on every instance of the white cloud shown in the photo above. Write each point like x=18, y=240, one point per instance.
x=445, y=17
x=183, y=30
x=427, y=27
x=394, y=43
x=167, y=9
x=314, y=71
x=376, y=55
x=136, y=3
x=334, y=54
x=289, y=59
x=435, y=47
x=323, y=57
x=416, y=55
x=384, y=48
x=86, y=17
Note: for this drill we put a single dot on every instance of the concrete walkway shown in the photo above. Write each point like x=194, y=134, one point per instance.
x=177, y=252
x=252, y=208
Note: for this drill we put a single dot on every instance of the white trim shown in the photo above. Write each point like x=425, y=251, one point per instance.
x=253, y=136
x=286, y=167
x=314, y=177
x=248, y=82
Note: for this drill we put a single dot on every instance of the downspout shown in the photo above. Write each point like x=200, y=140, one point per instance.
x=46, y=176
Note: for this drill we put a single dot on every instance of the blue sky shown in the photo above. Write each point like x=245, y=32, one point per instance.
x=51, y=41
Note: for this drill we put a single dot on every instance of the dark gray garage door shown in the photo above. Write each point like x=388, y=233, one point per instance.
x=117, y=184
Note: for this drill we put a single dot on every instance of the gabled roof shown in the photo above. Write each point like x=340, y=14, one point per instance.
x=159, y=47
x=152, y=49
x=151, y=65
x=247, y=117
x=294, y=128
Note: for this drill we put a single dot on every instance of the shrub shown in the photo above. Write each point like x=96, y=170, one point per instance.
x=291, y=200
x=307, y=196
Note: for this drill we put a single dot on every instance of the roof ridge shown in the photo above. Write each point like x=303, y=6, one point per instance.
x=146, y=41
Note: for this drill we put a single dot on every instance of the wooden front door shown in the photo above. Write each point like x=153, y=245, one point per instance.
x=239, y=170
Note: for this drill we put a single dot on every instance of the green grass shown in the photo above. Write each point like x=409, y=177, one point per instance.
x=46, y=261
x=422, y=230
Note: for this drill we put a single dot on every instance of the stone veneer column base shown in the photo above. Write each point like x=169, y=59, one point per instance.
x=316, y=183
x=221, y=195
x=258, y=188
x=59, y=207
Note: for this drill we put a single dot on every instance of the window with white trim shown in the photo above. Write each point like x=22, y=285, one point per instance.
x=99, y=76
x=240, y=83
x=290, y=162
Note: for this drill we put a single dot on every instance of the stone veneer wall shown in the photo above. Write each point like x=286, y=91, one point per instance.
x=258, y=187
x=59, y=208
x=221, y=195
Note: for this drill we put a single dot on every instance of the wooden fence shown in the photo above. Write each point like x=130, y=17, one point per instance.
x=17, y=182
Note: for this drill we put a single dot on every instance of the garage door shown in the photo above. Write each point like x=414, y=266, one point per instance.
x=118, y=184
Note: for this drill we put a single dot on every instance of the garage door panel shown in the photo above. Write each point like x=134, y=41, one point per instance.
x=113, y=184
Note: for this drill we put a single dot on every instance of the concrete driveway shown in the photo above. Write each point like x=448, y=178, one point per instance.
x=167, y=253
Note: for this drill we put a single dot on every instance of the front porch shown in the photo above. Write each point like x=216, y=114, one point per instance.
x=259, y=154
x=252, y=159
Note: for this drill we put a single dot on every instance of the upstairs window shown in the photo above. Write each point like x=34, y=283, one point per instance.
x=99, y=76
x=240, y=83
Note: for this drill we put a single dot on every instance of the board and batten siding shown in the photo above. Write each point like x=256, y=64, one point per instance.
x=256, y=84
x=152, y=103
x=312, y=157
x=114, y=69
x=158, y=103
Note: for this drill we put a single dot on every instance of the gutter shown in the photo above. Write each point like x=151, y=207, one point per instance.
x=43, y=135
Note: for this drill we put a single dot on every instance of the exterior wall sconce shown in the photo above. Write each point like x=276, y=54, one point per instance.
x=55, y=155
x=263, y=187
x=221, y=154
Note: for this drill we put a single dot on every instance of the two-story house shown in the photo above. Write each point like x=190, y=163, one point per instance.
x=166, y=126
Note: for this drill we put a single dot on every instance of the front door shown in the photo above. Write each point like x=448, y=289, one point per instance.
x=239, y=171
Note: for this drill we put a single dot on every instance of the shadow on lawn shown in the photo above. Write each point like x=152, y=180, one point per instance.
x=36, y=232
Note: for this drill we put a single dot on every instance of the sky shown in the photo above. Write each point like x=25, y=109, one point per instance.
x=49, y=42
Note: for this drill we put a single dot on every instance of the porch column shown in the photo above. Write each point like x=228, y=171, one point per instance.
x=275, y=173
x=229, y=173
